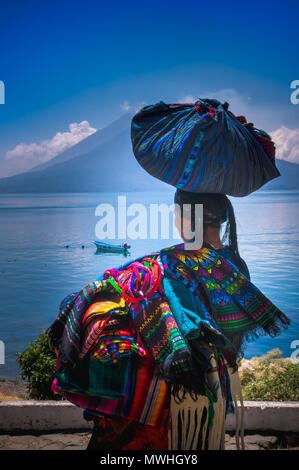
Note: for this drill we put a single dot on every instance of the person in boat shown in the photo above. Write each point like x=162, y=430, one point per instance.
x=151, y=349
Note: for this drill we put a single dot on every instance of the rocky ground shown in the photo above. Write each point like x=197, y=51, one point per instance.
x=61, y=441
x=13, y=390
x=79, y=441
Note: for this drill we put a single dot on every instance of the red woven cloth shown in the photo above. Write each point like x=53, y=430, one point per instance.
x=267, y=143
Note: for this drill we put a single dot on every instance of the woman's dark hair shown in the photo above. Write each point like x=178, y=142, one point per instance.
x=217, y=209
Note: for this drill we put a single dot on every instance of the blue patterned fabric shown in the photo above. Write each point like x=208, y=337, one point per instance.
x=200, y=147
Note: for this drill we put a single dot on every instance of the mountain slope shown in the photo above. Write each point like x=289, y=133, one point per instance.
x=104, y=161
x=89, y=143
x=289, y=178
x=109, y=167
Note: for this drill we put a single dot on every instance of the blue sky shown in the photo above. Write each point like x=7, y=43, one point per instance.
x=72, y=62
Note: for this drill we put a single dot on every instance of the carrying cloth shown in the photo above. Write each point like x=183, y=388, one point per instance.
x=195, y=298
x=142, y=397
x=202, y=148
x=201, y=292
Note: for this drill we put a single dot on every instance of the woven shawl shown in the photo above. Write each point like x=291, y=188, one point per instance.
x=223, y=296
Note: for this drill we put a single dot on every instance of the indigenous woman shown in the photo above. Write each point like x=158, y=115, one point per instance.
x=151, y=350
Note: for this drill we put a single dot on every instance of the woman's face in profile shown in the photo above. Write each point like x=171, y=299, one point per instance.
x=191, y=236
x=183, y=224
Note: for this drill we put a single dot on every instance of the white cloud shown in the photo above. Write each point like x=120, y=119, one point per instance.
x=29, y=155
x=286, y=143
x=126, y=106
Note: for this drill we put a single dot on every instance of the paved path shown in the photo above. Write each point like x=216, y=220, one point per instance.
x=76, y=441
x=79, y=441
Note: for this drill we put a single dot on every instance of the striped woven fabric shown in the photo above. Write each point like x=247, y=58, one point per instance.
x=100, y=317
x=119, y=343
x=66, y=334
x=202, y=147
x=94, y=330
x=158, y=328
x=145, y=400
x=153, y=319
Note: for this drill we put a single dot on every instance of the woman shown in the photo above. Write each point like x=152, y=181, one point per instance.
x=151, y=350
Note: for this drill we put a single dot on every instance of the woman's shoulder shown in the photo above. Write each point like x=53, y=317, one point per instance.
x=237, y=260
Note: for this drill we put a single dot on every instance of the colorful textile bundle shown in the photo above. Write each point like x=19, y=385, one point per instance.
x=110, y=348
x=99, y=317
x=140, y=283
x=201, y=293
x=143, y=396
x=66, y=333
x=202, y=147
x=92, y=377
x=150, y=357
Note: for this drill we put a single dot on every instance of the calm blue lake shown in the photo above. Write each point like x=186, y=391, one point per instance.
x=37, y=270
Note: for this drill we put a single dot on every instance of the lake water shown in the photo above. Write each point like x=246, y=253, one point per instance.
x=37, y=270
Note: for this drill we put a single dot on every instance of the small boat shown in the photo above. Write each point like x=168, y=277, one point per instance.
x=109, y=248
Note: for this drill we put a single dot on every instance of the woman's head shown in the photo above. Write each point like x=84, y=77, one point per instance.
x=217, y=209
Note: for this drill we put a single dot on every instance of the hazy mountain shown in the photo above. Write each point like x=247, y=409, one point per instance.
x=104, y=161
x=90, y=143
x=289, y=178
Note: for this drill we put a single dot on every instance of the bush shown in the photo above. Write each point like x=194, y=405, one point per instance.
x=270, y=378
x=38, y=367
